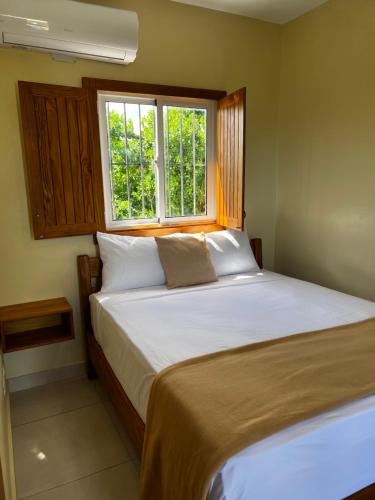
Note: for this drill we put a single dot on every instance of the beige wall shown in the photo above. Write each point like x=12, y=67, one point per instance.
x=179, y=45
x=326, y=175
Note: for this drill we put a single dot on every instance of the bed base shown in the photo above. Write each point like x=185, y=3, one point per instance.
x=89, y=273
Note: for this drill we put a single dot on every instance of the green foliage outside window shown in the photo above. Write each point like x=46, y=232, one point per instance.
x=133, y=152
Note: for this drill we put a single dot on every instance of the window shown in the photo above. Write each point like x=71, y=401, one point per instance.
x=148, y=159
x=158, y=159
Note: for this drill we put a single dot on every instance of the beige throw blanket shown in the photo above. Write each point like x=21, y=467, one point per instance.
x=204, y=410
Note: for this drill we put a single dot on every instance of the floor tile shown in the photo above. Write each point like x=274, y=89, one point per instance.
x=112, y=412
x=100, y=389
x=116, y=483
x=51, y=399
x=66, y=447
x=137, y=467
x=104, y=396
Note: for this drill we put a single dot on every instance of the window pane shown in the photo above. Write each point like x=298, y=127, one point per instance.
x=189, y=190
x=200, y=137
x=185, y=140
x=131, y=134
x=201, y=192
x=135, y=187
x=187, y=135
x=115, y=117
x=148, y=134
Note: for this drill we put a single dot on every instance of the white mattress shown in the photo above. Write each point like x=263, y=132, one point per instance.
x=143, y=331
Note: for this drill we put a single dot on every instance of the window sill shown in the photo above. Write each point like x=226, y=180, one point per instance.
x=205, y=226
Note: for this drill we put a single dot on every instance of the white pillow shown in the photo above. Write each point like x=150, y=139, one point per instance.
x=231, y=252
x=129, y=262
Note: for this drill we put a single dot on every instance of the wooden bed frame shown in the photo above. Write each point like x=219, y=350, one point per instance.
x=89, y=274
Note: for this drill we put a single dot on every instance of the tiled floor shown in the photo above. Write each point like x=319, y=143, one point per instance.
x=69, y=444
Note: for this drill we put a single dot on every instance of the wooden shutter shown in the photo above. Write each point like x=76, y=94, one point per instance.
x=62, y=152
x=230, y=172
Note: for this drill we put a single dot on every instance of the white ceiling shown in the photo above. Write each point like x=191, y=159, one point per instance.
x=276, y=11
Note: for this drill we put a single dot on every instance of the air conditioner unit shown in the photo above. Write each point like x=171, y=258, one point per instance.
x=70, y=28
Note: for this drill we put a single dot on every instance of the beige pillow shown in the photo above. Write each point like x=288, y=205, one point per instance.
x=186, y=261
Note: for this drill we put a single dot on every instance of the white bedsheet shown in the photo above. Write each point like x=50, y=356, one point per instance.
x=143, y=331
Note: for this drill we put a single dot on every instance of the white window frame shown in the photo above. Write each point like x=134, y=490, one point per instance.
x=159, y=101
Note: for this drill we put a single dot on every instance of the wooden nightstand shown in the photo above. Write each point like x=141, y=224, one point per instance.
x=34, y=324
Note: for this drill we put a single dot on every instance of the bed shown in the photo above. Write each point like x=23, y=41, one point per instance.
x=129, y=341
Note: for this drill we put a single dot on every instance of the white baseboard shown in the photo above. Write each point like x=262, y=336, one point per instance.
x=40, y=378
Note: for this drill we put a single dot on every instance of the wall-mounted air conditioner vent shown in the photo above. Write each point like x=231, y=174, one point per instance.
x=70, y=28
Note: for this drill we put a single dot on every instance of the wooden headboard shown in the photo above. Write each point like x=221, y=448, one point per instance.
x=90, y=278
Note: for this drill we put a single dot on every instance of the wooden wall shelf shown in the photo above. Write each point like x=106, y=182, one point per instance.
x=34, y=324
